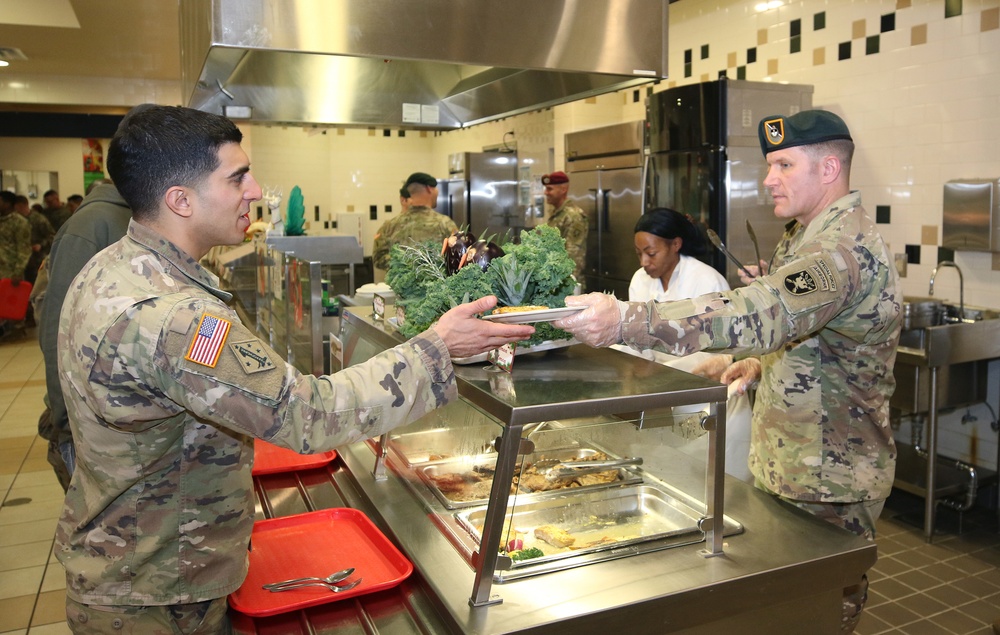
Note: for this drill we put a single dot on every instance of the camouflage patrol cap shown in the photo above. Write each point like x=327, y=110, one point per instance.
x=555, y=178
x=421, y=178
x=804, y=128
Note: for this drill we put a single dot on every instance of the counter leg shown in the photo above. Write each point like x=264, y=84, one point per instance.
x=932, y=419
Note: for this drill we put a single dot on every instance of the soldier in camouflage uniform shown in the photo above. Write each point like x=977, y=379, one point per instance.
x=15, y=239
x=41, y=236
x=417, y=224
x=570, y=220
x=166, y=389
x=825, y=322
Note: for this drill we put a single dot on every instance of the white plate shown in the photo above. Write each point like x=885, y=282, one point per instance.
x=538, y=315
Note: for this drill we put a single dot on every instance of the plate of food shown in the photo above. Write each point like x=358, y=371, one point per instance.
x=531, y=314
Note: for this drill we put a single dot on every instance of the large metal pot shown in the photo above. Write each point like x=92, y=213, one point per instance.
x=921, y=313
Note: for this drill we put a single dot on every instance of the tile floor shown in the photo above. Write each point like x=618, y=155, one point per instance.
x=949, y=587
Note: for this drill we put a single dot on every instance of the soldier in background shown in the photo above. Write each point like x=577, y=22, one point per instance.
x=101, y=220
x=417, y=224
x=166, y=389
x=570, y=220
x=74, y=202
x=15, y=239
x=825, y=322
x=54, y=210
x=41, y=236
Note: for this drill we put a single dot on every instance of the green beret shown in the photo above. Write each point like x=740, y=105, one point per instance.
x=801, y=129
x=421, y=178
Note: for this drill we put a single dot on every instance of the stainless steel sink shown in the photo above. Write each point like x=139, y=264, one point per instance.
x=953, y=340
x=941, y=365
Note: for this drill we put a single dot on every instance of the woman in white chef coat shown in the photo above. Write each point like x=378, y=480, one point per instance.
x=667, y=244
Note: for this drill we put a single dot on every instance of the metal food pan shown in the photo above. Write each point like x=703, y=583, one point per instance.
x=599, y=520
x=442, y=444
x=479, y=470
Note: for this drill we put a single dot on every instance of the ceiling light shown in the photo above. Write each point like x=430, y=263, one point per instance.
x=765, y=6
x=4, y=63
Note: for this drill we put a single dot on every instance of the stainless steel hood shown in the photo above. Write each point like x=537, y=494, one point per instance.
x=425, y=64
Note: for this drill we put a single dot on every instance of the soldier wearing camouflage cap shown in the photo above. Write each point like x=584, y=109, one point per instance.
x=166, y=389
x=824, y=319
x=568, y=218
x=417, y=224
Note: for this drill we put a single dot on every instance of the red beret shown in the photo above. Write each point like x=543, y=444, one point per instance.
x=555, y=178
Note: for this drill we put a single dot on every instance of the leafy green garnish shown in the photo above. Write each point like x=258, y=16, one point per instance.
x=537, y=269
x=525, y=554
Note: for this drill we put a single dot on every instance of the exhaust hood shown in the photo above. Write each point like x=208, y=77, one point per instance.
x=422, y=64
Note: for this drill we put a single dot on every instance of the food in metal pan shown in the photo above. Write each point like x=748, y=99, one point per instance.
x=554, y=536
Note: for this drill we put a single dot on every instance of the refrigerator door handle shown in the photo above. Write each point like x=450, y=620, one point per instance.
x=644, y=195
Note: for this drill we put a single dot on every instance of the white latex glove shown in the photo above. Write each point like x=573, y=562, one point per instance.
x=713, y=367
x=599, y=325
x=744, y=373
x=466, y=335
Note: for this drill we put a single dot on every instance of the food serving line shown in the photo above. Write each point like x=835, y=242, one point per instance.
x=759, y=567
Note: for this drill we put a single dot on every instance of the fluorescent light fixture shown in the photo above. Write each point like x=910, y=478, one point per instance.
x=237, y=112
x=765, y=6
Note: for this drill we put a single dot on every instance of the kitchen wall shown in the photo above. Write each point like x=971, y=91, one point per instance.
x=918, y=82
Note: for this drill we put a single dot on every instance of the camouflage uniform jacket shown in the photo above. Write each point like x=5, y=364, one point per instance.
x=161, y=504
x=15, y=245
x=826, y=321
x=571, y=221
x=41, y=231
x=57, y=216
x=416, y=225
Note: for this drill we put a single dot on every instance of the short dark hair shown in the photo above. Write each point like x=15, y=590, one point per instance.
x=76, y=198
x=158, y=147
x=49, y=193
x=21, y=198
x=8, y=197
x=669, y=224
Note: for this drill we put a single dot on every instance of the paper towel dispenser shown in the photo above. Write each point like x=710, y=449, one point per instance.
x=971, y=215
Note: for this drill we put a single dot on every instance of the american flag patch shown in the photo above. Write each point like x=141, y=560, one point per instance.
x=208, y=341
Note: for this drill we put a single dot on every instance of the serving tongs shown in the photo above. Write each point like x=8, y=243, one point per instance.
x=712, y=236
x=556, y=468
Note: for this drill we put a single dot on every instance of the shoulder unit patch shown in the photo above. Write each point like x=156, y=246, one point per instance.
x=252, y=356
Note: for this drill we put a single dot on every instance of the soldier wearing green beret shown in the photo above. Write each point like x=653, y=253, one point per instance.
x=166, y=390
x=417, y=224
x=818, y=327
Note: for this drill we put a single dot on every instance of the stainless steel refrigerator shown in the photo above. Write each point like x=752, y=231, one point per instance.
x=705, y=160
x=605, y=180
x=481, y=193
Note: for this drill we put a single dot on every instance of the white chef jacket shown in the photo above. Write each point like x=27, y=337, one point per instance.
x=691, y=278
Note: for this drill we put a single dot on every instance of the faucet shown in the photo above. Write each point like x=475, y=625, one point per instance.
x=961, y=286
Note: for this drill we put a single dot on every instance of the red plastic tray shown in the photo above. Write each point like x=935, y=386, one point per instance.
x=316, y=544
x=14, y=300
x=271, y=459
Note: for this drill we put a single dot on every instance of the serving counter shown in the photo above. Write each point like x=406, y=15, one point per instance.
x=734, y=561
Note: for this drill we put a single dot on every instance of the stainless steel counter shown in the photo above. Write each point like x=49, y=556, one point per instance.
x=784, y=574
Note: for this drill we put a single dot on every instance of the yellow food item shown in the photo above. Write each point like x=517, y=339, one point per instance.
x=518, y=309
x=554, y=536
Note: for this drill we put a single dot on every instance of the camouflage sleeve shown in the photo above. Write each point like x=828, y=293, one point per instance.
x=795, y=300
x=381, y=249
x=241, y=383
x=22, y=242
